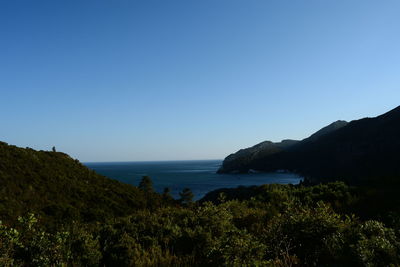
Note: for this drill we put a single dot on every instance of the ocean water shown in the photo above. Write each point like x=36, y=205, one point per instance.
x=198, y=175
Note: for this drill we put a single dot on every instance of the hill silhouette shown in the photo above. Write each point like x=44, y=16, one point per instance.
x=361, y=151
x=243, y=160
x=239, y=162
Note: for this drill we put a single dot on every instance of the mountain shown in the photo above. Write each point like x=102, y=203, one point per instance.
x=362, y=151
x=243, y=160
x=57, y=187
x=327, y=129
x=239, y=161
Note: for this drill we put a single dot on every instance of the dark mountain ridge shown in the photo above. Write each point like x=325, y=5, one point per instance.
x=239, y=162
x=242, y=160
x=362, y=151
x=327, y=129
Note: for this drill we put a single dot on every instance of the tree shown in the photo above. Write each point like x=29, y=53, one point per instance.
x=146, y=184
x=167, y=193
x=54, y=149
x=186, y=196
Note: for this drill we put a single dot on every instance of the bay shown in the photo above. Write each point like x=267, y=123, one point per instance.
x=198, y=175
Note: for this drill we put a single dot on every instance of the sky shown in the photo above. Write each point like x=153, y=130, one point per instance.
x=133, y=80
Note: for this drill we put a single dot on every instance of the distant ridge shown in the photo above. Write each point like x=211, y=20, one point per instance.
x=239, y=161
x=242, y=160
x=360, y=151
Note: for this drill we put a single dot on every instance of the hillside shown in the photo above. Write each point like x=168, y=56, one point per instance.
x=239, y=161
x=363, y=151
x=245, y=159
x=59, y=188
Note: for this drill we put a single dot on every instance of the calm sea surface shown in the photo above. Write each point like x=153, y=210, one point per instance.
x=198, y=175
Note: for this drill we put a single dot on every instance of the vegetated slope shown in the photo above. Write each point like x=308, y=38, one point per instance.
x=243, y=160
x=60, y=188
x=364, y=150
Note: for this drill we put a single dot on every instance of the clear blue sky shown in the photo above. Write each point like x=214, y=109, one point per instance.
x=161, y=80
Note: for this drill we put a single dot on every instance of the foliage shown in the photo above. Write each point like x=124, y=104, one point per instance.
x=62, y=190
x=186, y=196
x=106, y=223
x=146, y=184
x=30, y=244
x=233, y=233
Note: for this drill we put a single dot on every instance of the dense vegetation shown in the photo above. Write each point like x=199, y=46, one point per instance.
x=272, y=225
x=60, y=189
x=279, y=226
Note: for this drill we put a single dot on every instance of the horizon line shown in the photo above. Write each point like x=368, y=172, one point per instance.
x=144, y=161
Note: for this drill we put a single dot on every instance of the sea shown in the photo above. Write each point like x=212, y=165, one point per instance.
x=198, y=175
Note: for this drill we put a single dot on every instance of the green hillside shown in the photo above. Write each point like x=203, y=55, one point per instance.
x=59, y=188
